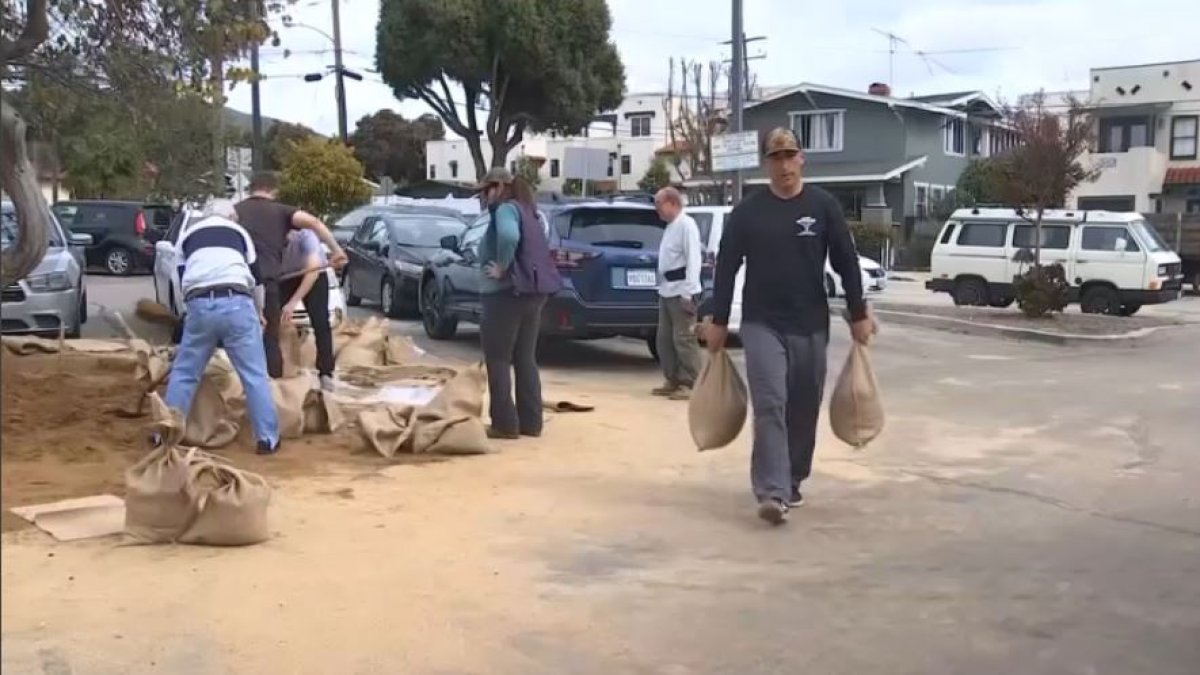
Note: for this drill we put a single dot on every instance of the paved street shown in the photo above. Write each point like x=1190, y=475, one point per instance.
x=1029, y=509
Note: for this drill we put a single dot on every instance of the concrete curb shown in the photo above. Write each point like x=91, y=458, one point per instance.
x=967, y=327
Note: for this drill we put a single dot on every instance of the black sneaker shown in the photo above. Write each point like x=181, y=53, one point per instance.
x=773, y=511
x=265, y=448
x=796, y=499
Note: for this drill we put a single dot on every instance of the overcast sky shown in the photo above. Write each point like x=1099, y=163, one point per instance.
x=1003, y=47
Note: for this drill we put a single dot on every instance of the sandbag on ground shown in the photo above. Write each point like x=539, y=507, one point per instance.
x=856, y=408
x=450, y=424
x=717, y=409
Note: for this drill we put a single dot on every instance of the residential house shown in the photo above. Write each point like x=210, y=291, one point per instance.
x=887, y=159
x=632, y=134
x=1147, y=120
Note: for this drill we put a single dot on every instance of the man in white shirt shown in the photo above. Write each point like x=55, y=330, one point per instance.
x=679, y=259
x=218, y=286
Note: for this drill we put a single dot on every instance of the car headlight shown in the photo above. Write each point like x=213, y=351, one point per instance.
x=49, y=283
x=1162, y=270
x=411, y=268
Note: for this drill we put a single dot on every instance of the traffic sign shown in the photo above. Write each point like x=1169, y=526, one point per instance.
x=238, y=160
x=733, y=152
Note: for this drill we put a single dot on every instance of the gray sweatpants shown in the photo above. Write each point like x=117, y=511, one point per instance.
x=508, y=331
x=786, y=374
x=678, y=349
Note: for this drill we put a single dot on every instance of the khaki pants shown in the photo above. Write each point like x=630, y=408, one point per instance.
x=678, y=349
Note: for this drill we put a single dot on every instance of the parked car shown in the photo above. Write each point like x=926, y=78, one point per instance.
x=168, y=289
x=346, y=226
x=607, y=253
x=389, y=254
x=711, y=221
x=54, y=294
x=123, y=233
x=1115, y=262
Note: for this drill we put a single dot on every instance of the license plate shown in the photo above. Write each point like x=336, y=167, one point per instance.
x=641, y=278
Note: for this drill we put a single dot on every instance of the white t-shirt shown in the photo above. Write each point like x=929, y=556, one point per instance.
x=216, y=252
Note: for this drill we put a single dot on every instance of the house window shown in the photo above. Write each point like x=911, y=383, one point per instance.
x=921, y=202
x=981, y=141
x=954, y=140
x=819, y=130
x=433, y=172
x=611, y=160
x=626, y=165
x=512, y=167
x=936, y=194
x=639, y=125
x=1183, y=137
x=454, y=168
x=554, y=170
x=1119, y=134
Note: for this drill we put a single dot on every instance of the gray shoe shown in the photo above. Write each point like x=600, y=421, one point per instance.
x=773, y=511
x=327, y=383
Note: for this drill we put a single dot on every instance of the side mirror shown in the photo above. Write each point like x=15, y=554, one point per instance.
x=449, y=243
x=80, y=239
x=384, y=250
x=371, y=245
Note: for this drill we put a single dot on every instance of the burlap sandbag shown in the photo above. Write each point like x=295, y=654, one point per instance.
x=450, y=424
x=290, y=346
x=157, y=504
x=322, y=415
x=368, y=347
x=210, y=422
x=856, y=408
x=229, y=506
x=399, y=350
x=290, y=395
x=717, y=409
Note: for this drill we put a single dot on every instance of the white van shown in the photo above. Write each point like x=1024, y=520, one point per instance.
x=711, y=221
x=1115, y=262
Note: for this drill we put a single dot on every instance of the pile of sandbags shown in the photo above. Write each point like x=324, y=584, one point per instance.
x=450, y=424
x=181, y=494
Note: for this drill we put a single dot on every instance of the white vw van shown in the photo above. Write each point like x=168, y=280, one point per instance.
x=1115, y=262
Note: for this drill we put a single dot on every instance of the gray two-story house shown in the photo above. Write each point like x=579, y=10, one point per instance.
x=888, y=160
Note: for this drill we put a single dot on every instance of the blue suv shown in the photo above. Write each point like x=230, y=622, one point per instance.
x=607, y=252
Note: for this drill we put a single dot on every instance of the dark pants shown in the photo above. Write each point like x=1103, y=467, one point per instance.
x=272, y=312
x=678, y=349
x=508, y=330
x=786, y=374
x=316, y=303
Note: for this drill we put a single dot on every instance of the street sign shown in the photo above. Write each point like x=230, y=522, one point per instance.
x=238, y=160
x=732, y=152
x=586, y=163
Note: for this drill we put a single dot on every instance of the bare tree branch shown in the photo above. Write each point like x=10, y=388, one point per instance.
x=37, y=29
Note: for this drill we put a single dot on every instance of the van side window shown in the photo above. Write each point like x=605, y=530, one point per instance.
x=989, y=235
x=948, y=232
x=1053, y=236
x=1098, y=238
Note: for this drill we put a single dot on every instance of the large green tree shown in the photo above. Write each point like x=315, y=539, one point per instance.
x=323, y=177
x=523, y=65
x=280, y=139
x=389, y=145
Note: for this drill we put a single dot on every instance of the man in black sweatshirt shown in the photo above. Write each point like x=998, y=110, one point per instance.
x=784, y=235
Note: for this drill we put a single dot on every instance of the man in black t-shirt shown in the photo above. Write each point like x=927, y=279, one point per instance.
x=269, y=222
x=783, y=235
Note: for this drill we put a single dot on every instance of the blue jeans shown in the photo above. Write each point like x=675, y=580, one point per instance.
x=229, y=322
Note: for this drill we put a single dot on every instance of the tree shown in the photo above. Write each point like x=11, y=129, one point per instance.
x=323, y=177
x=979, y=183
x=528, y=169
x=695, y=112
x=389, y=145
x=1039, y=173
x=529, y=65
x=279, y=140
x=658, y=176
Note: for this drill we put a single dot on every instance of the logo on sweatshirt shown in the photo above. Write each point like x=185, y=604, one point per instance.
x=806, y=224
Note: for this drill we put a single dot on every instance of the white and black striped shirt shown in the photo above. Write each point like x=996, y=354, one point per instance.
x=216, y=251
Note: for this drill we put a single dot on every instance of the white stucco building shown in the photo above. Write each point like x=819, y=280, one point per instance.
x=631, y=134
x=1147, y=126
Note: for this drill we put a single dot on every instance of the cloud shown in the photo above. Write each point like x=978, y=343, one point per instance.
x=1011, y=46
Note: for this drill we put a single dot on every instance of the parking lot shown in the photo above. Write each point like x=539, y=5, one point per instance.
x=1029, y=509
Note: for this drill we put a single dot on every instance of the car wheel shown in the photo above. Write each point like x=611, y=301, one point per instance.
x=830, y=286
x=971, y=293
x=119, y=261
x=83, y=311
x=387, y=299
x=351, y=299
x=76, y=330
x=1101, y=300
x=1002, y=303
x=1196, y=282
x=435, y=316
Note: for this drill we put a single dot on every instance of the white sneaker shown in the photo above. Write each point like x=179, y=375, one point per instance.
x=327, y=383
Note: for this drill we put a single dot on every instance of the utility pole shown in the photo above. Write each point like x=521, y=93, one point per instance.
x=339, y=71
x=256, y=131
x=736, y=84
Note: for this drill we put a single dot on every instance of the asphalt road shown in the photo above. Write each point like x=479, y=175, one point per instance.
x=1030, y=509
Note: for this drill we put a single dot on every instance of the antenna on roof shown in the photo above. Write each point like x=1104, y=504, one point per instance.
x=893, y=40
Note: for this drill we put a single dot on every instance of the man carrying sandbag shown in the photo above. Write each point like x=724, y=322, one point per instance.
x=679, y=260
x=784, y=235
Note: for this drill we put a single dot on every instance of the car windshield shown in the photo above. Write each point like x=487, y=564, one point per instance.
x=639, y=229
x=424, y=231
x=1149, y=235
x=8, y=235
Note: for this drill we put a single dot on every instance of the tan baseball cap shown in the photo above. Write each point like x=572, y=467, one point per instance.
x=496, y=174
x=780, y=140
